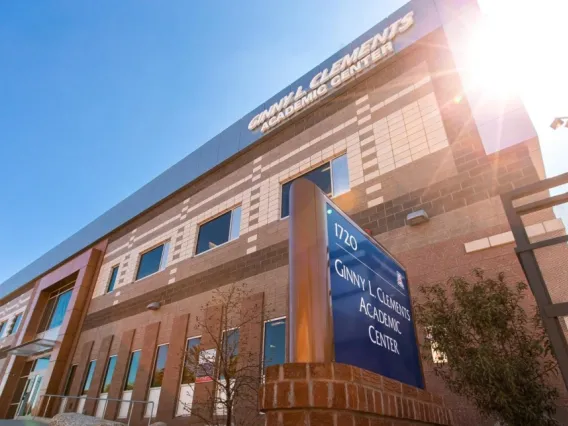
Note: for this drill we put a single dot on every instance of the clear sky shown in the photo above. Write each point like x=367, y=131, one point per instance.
x=97, y=98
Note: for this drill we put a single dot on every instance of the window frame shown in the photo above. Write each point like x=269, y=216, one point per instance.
x=103, y=379
x=284, y=317
x=70, y=377
x=3, y=328
x=13, y=326
x=298, y=176
x=185, y=359
x=211, y=219
x=163, y=261
x=83, y=391
x=150, y=387
x=112, y=269
x=128, y=371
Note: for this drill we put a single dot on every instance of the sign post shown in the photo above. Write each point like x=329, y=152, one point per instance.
x=349, y=298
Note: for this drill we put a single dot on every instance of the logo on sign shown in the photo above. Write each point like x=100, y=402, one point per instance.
x=399, y=279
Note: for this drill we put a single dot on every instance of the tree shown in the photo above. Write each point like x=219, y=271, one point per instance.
x=496, y=355
x=230, y=370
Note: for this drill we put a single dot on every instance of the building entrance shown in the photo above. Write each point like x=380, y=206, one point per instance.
x=30, y=393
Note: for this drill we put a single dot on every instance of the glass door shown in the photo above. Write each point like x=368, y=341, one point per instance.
x=29, y=397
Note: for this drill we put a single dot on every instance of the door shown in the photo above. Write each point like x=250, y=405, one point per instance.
x=29, y=396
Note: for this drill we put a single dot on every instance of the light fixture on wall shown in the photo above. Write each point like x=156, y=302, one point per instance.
x=417, y=217
x=154, y=306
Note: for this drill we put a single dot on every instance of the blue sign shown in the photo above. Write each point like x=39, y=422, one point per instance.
x=371, y=307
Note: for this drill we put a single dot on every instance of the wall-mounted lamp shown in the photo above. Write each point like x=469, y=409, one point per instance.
x=417, y=217
x=154, y=306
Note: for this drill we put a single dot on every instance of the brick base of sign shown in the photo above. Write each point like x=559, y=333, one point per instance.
x=342, y=395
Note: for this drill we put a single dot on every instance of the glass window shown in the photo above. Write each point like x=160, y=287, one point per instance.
x=108, y=374
x=15, y=324
x=2, y=328
x=191, y=361
x=153, y=261
x=47, y=313
x=218, y=231
x=159, y=366
x=41, y=364
x=274, y=342
x=322, y=177
x=60, y=309
x=70, y=378
x=89, y=378
x=112, y=280
x=132, y=370
x=230, y=351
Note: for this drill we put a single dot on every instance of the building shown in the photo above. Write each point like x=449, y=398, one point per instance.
x=385, y=126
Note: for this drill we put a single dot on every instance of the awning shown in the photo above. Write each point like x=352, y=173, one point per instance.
x=34, y=347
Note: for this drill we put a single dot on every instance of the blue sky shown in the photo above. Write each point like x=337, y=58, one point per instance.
x=97, y=98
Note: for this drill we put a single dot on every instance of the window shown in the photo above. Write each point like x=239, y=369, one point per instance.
x=112, y=280
x=274, y=342
x=89, y=378
x=153, y=261
x=159, y=366
x=132, y=370
x=2, y=328
x=55, y=308
x=331, y=177
x=230, y=352
x=70, y=378
x=15, y=324
x=41, y=364
x=191, y=361
x=220, y=230
x=108, y=374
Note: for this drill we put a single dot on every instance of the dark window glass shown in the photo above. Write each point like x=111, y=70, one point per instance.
x=41, y=364
x=132, y=370
x=16, y=324
x=219, y=230
x=60, y=309
x=112, y=281
x=274, y=342
x=230, y=352
x=70, y=378
x=47, y=313
x=2, y=328
x=89, y=378
x=191, y=361
x=320, y=176
x=108, y=374
x=159, y=366
x=151, y=262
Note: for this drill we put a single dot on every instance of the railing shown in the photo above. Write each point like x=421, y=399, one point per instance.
x=67, y=397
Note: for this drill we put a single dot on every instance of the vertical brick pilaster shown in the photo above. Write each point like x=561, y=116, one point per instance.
x=172, y=373
x=80, y=374
x=145, y=367
x=102, y=361
x=11, y=386
x=211, y=334
x=250, y=341
x=120, y=371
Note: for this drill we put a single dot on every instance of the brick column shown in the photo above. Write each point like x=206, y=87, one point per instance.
x=172, y=372
x=140, y=391
x=327, y=394
x=250, y=341
x=102, y=360
x=120, y=371
x=80, y=374
x=210, y=334
x=11, y=389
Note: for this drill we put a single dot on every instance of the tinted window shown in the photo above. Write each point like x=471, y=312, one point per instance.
x=112, y=281
x=332, y=178
x=230, y=351
x=219, y=230
x=2, y=328
x=160, y=366
x=47, y=314
x=70, y=378
x=16, y=324
x=60, y=309
x=108, y=374
x=274, y=342
x=150, y=262
x=191, y=361
x=132, y=370
x=89, y=378
x=41, y=364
